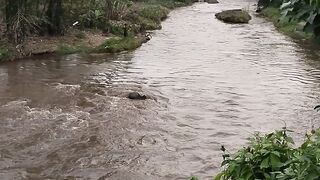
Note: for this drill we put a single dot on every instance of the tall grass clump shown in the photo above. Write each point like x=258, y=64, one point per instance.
x=64, y=49
x=147, y=16
x=117, y=44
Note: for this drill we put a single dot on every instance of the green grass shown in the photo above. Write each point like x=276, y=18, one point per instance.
x=284, y=25
x=116, y=30
x=271, y=13
x=64, y=49
x=290, y=28
x=4, y=52
x=143, y=15
x=117, y=44
x=154, y=12
x=147, y=15
x=149, y=24
x=80, y=35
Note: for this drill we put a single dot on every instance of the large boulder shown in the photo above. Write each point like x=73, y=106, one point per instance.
x=211, y=1
x=234, y=16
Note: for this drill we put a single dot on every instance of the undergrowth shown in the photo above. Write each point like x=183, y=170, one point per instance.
x=289, y=27
x=118, y=44
x=273, y=157
x=4, y=52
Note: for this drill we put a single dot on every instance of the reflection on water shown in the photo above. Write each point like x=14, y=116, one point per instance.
x=210, y=84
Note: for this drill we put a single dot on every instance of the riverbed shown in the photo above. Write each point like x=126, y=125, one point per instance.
x=209, y=84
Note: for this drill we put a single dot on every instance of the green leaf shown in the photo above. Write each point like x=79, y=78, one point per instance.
x=249, y=156
x=286, y=5
x=311, y=17
x=304, y=158
x=225, y=162
x=218, y=176
x=290, y=140
x=275, y=161
x=248, y=175
x=232, y=167
x=265, y=163
x=276, y=153
x=267, y=176
x=304, y=145
x=312, y=176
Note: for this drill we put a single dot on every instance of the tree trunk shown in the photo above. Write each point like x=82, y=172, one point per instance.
x=11, y=10
x=55, y=14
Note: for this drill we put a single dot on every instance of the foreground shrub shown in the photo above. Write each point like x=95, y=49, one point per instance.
x=305, y=13
x=273, y=156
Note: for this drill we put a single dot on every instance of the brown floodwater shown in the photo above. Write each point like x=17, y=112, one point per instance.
x=209, y=84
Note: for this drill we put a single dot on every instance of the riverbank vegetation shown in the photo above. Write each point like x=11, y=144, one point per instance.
x=273, y=156
x=30, y=27
x=115, y=45
x=297, y=18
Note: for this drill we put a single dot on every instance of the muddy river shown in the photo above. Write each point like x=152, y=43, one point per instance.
x=208, y=84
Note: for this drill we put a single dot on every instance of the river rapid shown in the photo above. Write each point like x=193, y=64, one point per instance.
x=209, y=84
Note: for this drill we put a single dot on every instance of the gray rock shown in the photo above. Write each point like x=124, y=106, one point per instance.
x=137, y=96
x=234, y=16
x=211, y=1
x=147, y=37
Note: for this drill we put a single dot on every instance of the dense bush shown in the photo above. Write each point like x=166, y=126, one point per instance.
x=155, y=13
x=273, y=156
x=147, y=16
x=305, y=12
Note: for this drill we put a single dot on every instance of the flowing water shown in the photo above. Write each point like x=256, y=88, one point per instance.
x=209, y=84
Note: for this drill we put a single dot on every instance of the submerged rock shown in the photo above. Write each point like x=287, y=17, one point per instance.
x=234, y=16
x=147, y=37
x=211, y=1
x=137, y=96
